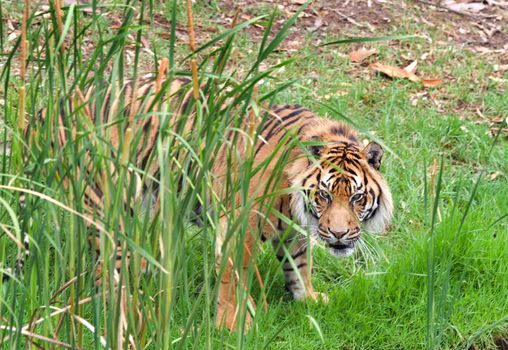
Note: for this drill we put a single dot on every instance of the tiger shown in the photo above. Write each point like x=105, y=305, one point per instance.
x=329, y=187
x=333, y=186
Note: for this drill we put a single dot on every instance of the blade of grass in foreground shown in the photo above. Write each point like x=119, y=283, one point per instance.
x=368, y=40
x=440, y=307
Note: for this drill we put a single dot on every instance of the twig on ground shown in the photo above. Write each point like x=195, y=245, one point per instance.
x=352, y=21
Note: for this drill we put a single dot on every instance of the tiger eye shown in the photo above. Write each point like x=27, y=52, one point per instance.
x=357, y=197
x=325, y=195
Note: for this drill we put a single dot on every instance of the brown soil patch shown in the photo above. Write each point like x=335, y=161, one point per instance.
x=502, y=344
x=325, y=17
x=486, y=28
x=483, y=31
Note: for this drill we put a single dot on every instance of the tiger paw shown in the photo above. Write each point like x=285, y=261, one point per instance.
x=318, y=297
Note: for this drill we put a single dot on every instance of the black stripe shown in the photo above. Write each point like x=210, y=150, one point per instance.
x=293, y=114
x=352, y=172
x=300, y=130
x=268, y=123
x=377, y=184
x=299, y=266
x=312, y=211
x=40, y=116
x=285, y=126
x=186, y=101
x=279, y=221
x=339, y=129
x=96, y=190
x=279, y=108
x=147, y=126
x=105, y=107
x=273, y=132
x=351, y=155
x=300, y=253
x=309, y=176
x=262, y=144
x=289, y=269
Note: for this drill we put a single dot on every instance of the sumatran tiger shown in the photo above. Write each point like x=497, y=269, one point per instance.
x=330, y=188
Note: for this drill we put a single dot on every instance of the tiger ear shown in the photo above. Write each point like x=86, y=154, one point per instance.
x=374, y=154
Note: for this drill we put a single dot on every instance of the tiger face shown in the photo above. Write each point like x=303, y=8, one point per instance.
x=343, y=190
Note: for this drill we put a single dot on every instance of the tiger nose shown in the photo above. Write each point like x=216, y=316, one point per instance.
x=339, y=233
x=350, y=233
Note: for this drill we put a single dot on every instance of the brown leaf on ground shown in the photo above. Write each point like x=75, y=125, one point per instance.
x=360, y=55
x=405, y=73
x=318, y=23
x=394, y=72
x=494, y=175
x=431, y=82
x=411, y=68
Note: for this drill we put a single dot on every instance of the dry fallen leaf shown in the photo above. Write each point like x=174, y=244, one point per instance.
x=360, y=55
x=411, y=68
x=394, y=72
x=298, y=2
x=494, y=175
x=14, y=35
x=407, y=73
x=431, y=82
x=318, y=23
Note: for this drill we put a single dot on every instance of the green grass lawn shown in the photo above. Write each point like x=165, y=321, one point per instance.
x=437, y=280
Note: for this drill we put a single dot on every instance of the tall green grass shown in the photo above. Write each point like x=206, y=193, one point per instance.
x=56, y=301
x=443, y=246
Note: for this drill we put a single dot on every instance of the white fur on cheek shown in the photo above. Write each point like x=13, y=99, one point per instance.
x=305, y=220
x=298, y=208
x=297, y=172
x=383, y=215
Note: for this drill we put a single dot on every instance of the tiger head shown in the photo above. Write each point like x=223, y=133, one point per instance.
x=341, y=189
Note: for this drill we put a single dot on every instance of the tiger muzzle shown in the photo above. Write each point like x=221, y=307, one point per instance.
x=343, y=240
x=349, y=234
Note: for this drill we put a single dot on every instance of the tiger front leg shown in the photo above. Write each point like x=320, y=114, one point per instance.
x=297, y=269
x=232, y=282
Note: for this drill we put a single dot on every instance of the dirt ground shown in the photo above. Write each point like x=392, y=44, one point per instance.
x=480, y=26
x=484, y=31
x=475, y=25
